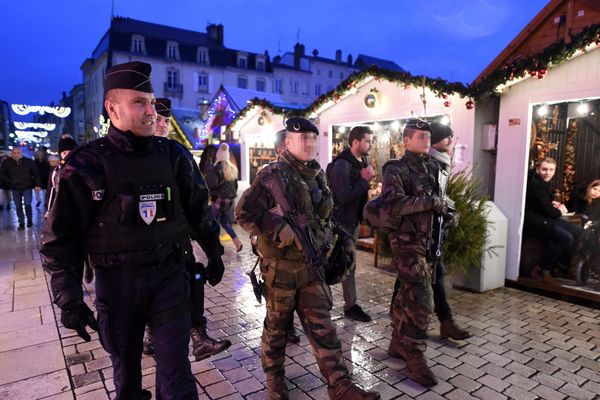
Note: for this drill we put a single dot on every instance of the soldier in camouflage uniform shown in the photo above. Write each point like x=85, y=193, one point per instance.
x=410, y=191
x=288, y=284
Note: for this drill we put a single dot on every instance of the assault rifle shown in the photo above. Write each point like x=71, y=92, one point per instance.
x=314, y=256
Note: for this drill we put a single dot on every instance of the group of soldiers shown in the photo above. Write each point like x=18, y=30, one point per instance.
x=129, y=204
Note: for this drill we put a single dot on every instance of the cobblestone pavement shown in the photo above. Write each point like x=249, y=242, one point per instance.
x=524, y=346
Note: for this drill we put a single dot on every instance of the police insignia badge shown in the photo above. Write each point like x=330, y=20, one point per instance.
x=147, y=211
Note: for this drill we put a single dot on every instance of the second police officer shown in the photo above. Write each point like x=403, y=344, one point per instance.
x=129, y=202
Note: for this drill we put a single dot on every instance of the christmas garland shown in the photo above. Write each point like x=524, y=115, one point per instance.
x=535, y=65
x=569, y=166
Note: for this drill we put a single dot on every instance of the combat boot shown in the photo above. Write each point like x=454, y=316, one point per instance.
x=148, y=348
x=292, y=336
x=449, y=329
x=276, y=387
x=346, y=390
x=203, y=345
x=416, y=364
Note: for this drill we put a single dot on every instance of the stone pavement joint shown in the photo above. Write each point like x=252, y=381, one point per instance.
x=526, y=346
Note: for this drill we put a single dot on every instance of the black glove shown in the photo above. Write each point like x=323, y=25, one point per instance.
x=76, y=315
x=438, y=205
x=214, y=270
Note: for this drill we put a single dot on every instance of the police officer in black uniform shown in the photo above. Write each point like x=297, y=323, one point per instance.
x=129, y=202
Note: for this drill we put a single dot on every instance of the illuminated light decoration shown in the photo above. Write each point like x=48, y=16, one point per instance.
x=342, y=129
x=543, y=110
x=24, y=109
x=376, y=127
x=41, y=134
x=34, y=125
x=25, y=136
x=219, y=113
x=104, y=125
x=396, y=125
x=445, y=120
x=583, y=108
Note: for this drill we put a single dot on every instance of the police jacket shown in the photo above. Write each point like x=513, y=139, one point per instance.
x=408, y=186
x=350, y=191
x=540, y=214
x=124, y=201
x=259, y=214
x=20, y=175
x=217, y=184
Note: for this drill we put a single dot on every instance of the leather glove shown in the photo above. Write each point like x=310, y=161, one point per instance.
x=287, y=236
x=76, y=315
x=438, y=205
x=214, y=270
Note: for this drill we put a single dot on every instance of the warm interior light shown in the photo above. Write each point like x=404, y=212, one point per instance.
x=542, y=110
x=583, y=108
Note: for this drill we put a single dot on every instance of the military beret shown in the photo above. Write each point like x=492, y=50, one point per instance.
x=299, y=124
x=417, y=123
x=132, y=75
x=439, y=132
x=163, y=107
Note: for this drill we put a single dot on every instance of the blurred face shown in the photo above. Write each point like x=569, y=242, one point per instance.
x=419, y=142
x=443, y=145
x=363, y=146
x=301, y=145
x=16, y=153
x=546, y=171
x=53, y=162
x=595, y=192
x=163, y=126
x=131, y=110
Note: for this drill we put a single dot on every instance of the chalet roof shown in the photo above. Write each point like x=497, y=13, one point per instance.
x=363, y=61
x=240, y=97
x=558, y=20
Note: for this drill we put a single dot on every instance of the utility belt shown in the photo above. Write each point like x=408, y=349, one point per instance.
x=160, y=256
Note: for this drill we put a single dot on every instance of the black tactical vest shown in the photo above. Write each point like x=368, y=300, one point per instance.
x=141, y=207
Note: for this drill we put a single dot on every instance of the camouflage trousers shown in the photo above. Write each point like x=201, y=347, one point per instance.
x=413, y=306
x=288, y=290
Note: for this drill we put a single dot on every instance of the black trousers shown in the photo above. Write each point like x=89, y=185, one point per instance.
x=125, y=299
x=442, y=308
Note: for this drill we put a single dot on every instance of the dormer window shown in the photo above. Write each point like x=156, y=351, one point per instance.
x=137, y=44
x=173, y=50
x=242, y=61
x=203, y=56
x=260, y=64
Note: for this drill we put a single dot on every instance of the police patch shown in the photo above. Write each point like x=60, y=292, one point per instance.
x=97, y=195
x=150, y=197
x=147, y=211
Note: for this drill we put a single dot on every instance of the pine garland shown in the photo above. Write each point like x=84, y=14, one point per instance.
x=569, y=166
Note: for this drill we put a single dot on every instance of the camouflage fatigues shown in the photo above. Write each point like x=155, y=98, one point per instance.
x=287, y=281
x=408, y=187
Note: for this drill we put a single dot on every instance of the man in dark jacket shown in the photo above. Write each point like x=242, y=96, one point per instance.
x=542, y=221
x=21, y=175
x=129, y=202
x=348, y=177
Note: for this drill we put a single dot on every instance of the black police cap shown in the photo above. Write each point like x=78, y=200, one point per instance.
x=163, y=107
x=417, y=123
x=299, y=124
x=132, y=75
x=439, y=132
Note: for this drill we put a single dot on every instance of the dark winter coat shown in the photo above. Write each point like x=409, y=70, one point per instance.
x=217, y=185
x=20, y=175
x=44, y=171
x=350, y=191
x=540, y=214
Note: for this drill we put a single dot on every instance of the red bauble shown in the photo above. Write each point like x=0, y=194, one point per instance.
x=469, y=104
x=533, y=72
x=444, y=96
x=541, y=76
x=447, y=103
x=543, y=71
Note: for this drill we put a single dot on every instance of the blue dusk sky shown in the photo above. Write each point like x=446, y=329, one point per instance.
x=44, y=43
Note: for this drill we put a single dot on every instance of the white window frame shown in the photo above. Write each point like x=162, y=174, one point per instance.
x=203, y=56
x=172, y=50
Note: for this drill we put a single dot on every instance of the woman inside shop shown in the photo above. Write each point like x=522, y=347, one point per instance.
x=222, y=181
